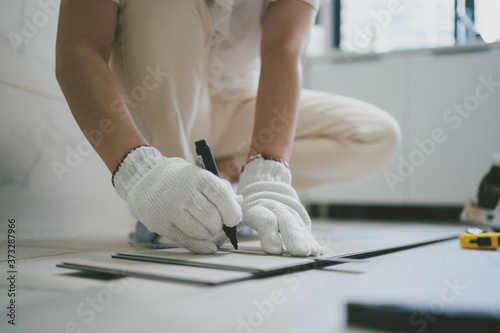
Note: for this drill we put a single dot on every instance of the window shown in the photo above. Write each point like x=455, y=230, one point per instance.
x=487, y=19
x=359, y=26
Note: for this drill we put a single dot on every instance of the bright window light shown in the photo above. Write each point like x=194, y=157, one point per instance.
x=381, y=25
x=487, y=19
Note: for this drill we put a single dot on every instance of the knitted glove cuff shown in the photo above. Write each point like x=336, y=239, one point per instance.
x=135, y=164
x=265, y=157
x=264, y=170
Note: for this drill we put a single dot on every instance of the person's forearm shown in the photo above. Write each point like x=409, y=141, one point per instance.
x=96, y=103
x=277, y=104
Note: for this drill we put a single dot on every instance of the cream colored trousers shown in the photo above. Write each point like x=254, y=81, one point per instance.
x=160, y=58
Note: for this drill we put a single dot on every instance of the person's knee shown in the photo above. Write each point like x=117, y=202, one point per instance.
x=392, y=135
x=378, y=142
x=380, y=129
x=387, y=144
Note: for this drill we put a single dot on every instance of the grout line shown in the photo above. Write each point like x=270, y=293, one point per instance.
x=376, y=253
x=33, y=91
x=74, y=251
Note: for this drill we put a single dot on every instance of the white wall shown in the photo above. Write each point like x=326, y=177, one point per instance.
x=418, y=88
x=37, y=129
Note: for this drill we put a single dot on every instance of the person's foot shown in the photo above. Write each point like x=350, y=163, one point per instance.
x=144, y=235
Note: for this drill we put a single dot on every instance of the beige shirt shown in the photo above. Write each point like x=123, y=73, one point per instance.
x=234, y=63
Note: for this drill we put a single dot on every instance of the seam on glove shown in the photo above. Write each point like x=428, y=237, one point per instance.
x=267, y=158
x=121, y=161
x=260, y=170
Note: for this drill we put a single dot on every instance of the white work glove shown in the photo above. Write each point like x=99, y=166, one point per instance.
x=177, y=200
x=271, y=207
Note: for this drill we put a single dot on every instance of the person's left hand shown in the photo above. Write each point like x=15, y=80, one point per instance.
x=271, y=207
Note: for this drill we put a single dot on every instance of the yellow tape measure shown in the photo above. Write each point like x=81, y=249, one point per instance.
x=480, y=239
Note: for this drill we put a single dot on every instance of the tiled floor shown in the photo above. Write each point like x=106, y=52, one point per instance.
x=51, y=299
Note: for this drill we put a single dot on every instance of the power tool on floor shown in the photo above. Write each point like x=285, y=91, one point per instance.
x=484, y=208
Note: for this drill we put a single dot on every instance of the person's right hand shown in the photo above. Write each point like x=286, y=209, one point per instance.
x=272, y=207
x=177, y=200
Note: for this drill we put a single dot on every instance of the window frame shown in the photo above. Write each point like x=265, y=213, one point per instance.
x=337, y=21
